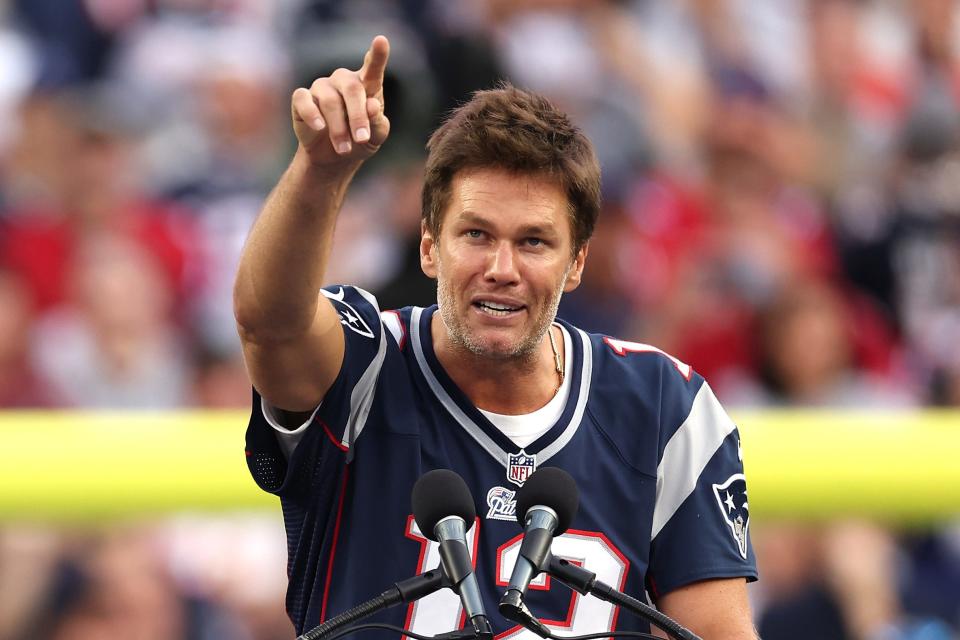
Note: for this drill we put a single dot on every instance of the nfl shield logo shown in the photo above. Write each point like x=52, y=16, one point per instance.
x=520, y=467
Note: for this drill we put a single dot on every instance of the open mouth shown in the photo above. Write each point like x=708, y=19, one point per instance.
x=496, y=309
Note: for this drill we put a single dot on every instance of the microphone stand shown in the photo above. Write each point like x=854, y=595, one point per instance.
x=404, y=591
x=585, y=582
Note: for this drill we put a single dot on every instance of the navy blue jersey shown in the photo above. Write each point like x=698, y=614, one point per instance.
x=657, y=460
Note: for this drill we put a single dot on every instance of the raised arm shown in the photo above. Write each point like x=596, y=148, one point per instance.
x=292, y=339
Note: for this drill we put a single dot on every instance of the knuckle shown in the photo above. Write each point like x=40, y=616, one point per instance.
x=302, y=99
x=329, y=101
x=354, y=89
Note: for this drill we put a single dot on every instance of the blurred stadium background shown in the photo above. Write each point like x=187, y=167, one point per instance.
x=782, y=211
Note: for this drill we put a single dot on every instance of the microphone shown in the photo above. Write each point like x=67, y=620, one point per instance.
x=444, y=509
x=546, y=505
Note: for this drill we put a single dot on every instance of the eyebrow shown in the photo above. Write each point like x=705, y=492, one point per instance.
x=471, y=218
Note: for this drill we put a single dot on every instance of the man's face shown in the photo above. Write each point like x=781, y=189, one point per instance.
x=502, y=261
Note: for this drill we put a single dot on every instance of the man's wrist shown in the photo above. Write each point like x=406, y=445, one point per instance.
x=325, y=176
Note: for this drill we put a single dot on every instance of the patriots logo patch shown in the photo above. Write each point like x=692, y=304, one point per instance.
x=732, y=500
x=502, y=504
x=349, y=317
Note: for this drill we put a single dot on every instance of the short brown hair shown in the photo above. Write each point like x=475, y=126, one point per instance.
x=520, y=132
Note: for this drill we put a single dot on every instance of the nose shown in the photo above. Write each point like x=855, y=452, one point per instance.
x=502, y=264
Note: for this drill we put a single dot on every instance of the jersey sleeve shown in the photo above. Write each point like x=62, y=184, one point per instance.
x=702, y=518
x=272, y=450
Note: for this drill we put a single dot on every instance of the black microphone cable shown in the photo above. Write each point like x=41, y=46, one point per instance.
x=404, y=591
x=464, y=634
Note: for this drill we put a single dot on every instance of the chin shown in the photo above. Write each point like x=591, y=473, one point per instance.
x=499, y=343
x=497, y=346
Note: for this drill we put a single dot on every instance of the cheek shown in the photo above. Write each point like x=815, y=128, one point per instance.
x=459, y=263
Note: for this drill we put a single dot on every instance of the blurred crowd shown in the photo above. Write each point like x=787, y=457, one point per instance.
x=782, y=211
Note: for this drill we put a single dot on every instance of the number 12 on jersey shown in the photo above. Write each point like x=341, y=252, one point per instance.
x=442, y=612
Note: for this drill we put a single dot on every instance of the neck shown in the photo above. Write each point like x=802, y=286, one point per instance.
x=509, y=386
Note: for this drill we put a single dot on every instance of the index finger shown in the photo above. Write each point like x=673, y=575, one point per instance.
x=374, y=65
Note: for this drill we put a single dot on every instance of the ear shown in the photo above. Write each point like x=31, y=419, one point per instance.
x=576, y=270
x=428, y=256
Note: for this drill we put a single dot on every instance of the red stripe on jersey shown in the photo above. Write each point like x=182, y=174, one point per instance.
x=333, y=438
x=333, y=546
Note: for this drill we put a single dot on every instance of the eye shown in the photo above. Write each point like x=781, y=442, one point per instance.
x=535, y=242
x=474, y=233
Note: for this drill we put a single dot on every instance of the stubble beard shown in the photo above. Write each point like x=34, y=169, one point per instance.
x=524, y=351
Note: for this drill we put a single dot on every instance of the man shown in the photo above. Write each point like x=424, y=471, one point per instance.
x=352, y=404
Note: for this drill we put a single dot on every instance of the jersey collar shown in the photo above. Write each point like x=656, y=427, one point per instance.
x=491, y=439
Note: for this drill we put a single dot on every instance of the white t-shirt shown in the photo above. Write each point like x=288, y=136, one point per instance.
x=526, y=428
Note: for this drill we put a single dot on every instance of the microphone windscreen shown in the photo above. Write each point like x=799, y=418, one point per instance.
x=438, y=494
x=550, y=487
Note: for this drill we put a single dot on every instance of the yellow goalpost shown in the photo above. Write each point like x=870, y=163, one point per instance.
x=84, y=466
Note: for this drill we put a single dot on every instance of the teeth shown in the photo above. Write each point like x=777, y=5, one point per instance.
x=495, y=309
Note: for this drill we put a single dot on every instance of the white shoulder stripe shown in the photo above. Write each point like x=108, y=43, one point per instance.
x=361, y=398
x=391, y=321
x=687, y=453
x=369, y=297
